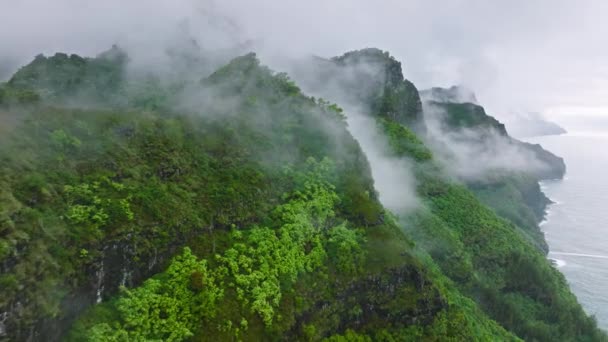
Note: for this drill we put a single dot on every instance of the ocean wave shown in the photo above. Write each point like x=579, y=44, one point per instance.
x=558, y=263
x=581, y=255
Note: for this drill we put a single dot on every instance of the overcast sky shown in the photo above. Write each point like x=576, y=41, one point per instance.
x=549, y=56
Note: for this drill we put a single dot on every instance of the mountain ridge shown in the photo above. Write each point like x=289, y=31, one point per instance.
x=249, y=211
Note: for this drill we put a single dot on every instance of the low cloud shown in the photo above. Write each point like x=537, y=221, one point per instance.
x=393, y=177
x=520, y=53
x=475, y=153
x=348, y=86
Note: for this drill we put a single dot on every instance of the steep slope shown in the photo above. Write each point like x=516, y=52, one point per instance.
x=61, y=78
x=508, y=180
x=453, y=94
x=236, y=207
x=233, y=207
x=370, y=78
x=509, y=278
x=496, y=263
x=453, y=116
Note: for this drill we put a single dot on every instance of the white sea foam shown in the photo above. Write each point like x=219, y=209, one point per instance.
x=558, y=263
x=577, y=228
x=581, y=255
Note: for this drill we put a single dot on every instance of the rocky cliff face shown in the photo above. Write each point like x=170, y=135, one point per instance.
x=480, y=128
x=237, y=207
x=453, y=94
x=117, y=192
x=457, y=116
x=509, y=180
x=370, y=80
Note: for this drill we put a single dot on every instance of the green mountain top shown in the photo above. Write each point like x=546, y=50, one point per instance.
x=236, y=207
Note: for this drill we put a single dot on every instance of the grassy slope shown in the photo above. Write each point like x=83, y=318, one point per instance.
x=497, y=264
x=78, y=185
x=490, y=259
x=126, y=187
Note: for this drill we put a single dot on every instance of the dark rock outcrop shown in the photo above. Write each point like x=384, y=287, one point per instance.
x=453, y=94
x=370, y=80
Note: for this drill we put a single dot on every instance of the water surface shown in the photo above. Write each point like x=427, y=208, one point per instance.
x=576, y=227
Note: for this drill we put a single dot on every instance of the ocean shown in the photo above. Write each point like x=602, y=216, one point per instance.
x=576, y=226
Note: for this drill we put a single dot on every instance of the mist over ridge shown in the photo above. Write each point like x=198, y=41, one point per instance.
x=520, y=50
x=275, y=171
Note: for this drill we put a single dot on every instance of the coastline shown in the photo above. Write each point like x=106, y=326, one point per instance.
x=574, y=225
x=557, y=263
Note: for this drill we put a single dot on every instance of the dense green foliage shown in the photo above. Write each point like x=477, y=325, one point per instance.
x=63, y=77
x=234, y=207
x=497, y=263
x=518, y=198
x=403, y=142
x=261, y=267
x=77, y=183
x=493, y=261
x=261, y=262
x=513, y=194
x=510, y=275
x=468, y=115
x=10, y=97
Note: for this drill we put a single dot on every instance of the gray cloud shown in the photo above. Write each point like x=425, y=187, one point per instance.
x=474, y=154
x=539, y=55
x=393, y=176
